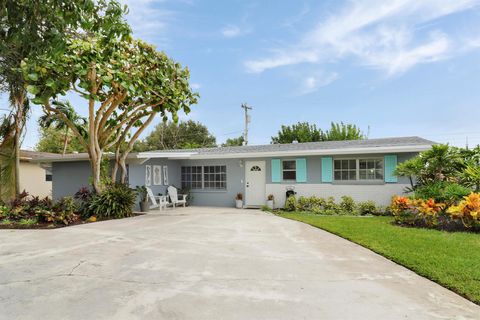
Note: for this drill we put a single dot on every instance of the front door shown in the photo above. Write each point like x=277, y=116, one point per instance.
x=255, y=183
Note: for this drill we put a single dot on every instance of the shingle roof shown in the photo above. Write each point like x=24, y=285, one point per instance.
x=369, y=145
x=307, y=146
x=33, y=155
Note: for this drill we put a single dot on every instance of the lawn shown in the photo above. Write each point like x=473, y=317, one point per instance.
x=450, y=259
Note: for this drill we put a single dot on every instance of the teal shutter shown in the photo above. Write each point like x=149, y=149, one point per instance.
x=327, y=169
x=301, y=168
x=276, y=170
x=390, y=163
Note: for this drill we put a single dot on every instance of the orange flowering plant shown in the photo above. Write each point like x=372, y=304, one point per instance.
x=468, y=210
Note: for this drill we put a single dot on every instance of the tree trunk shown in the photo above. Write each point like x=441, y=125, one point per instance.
x=65, y=141
x=19, y=100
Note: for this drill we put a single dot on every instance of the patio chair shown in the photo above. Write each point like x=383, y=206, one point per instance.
x=174, y=197
x=159, y=202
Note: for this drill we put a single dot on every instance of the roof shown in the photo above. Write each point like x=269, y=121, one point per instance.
x=368, y=146
x=27, y=155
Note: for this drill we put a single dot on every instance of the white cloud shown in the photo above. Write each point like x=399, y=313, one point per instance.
x=313, y=83
x=390, y=35
x=233, y=31
x=148, y=20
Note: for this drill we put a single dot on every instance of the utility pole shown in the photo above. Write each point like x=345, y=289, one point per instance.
x=247, y=121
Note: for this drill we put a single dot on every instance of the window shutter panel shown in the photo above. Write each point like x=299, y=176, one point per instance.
x=276, y=170
x=327, y=169
x=301, y=168
x=390, y=163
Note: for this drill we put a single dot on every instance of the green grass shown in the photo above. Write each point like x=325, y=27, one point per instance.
x=451, y=259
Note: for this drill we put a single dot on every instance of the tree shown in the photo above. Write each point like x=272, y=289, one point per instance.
x=7, y=158
x=52, y=140
x=341, y=131
x=126, y=84
x=183, y=135
x=300, y=132
x=306, y=132
x=234, y=142
x=52, y=120
x=29, y=29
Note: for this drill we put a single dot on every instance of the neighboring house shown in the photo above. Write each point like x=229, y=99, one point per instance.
x=362, y=169
x=35, y=177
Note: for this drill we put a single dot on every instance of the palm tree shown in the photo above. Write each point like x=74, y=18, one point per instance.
x=53, y=120
x=7, y=158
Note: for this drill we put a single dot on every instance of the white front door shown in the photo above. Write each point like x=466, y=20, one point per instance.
x=255, y=183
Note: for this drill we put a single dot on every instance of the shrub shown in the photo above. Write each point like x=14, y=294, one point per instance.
x=84, y=197
x=347, y=205
x=291, y=204
x=303, y=204
x=468, y=210
x=443, y=191
x=367, y=207
x=116, y=201
x=330, y=207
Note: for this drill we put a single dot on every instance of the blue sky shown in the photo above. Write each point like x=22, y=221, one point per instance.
x=400, y=67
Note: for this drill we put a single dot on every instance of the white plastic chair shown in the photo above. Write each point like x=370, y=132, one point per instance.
x=174, y=197
x=162, y=200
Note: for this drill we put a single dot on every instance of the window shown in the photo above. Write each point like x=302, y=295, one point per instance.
x=370, y=169
x=204, y=177
x=357, y=169
x=214, y=177
x=289, y=170
x=48, y=175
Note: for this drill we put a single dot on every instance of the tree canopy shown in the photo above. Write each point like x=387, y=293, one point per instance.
x=30, y=29
x=306, y=132
x=53, y=140
x=234, y=142
x=126, y=83
x=182, y=135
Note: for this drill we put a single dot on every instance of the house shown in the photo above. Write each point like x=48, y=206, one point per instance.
x=362, y=169
x=35, y=177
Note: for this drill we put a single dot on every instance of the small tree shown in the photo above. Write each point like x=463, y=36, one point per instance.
x=126, y=84
x=52, y=120
x=233, y=142
x=38, y=28
x=183, y=135
x=52, y=140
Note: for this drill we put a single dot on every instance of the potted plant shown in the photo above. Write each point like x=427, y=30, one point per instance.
x=239, y=201
x=142, y=193
x=270, y=201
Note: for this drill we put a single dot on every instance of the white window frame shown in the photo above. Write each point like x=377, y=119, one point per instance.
x=203, y=177
x=290, y=170
x=357, y=169
x=157, y=175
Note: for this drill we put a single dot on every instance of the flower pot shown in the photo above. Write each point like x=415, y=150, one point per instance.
x=270, y=204
x=239, y=204
x=144, y=207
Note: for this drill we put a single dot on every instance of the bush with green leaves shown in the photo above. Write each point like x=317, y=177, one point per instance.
x=291, y=204
x=367, y=207
x=347, y=205
x=442, y=191
x=115, y=202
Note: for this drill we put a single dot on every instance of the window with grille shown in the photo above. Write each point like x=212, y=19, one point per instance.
x=204, y=177
x=357, y=169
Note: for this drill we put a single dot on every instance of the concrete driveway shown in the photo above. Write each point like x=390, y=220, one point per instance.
x=206, y=263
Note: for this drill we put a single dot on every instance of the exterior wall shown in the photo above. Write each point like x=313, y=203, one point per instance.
x=219, y=198
x=32, y=179
x=136, y=175
x=69, y=177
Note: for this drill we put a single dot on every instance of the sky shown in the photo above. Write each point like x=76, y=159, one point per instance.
x=394, y=68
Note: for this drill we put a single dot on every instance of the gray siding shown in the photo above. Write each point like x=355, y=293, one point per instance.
x=219, y=198
x=69, y=177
